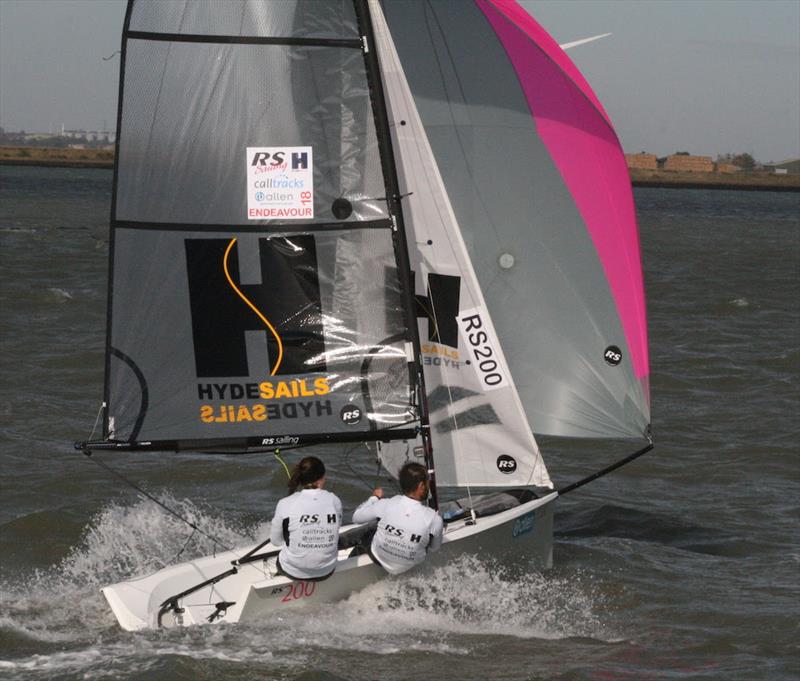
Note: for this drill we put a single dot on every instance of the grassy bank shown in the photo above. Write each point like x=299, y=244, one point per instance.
x=741, y=181
x=54, y=156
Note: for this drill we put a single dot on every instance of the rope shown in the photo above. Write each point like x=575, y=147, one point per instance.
x=283, y=463
x=172, y=512
x=97, y=419
x=183, y=548
x=346, y=461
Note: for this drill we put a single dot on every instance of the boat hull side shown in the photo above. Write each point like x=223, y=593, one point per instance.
x=521, y=538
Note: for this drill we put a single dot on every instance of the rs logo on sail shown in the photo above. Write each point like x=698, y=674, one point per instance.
x=278, y=158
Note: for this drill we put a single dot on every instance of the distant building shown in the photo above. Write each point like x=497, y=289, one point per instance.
x=790, y=167
x=727, y=168
x=642, y=161
x=689, y=164
x=89, y=135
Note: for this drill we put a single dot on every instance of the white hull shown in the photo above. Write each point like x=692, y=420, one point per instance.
x=524, y=532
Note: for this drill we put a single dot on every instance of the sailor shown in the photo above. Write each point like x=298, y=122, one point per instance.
x=306, y=524
x=407, y=528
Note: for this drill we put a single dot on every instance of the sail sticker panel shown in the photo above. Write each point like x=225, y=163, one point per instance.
x=280, y=183
x=483, y=349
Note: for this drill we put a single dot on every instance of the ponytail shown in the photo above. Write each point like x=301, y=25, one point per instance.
x=305, y=473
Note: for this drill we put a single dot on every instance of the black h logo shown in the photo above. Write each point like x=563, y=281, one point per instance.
x=288, y=297
x=441, y=308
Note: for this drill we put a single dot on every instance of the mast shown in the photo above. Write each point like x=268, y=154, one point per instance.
x=394, y=201
x=113, y=217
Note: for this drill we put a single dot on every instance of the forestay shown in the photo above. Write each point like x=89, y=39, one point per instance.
x=255, y=295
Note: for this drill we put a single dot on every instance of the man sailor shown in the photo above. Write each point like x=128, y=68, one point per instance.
x=407, y=528
x=306, y=524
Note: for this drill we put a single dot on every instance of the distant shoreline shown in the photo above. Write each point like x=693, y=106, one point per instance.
x=57, y=157
x=738, y=181
x=104, y=158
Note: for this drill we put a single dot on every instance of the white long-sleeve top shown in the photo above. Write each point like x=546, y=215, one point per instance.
x=307, y=524
x=407, y=530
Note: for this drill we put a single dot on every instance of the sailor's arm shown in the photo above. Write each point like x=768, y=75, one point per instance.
x=337, y=504
x=276, y=528
x=369, y=509
x=437, y=527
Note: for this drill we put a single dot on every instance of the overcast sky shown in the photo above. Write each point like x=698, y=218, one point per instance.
x=705, y=76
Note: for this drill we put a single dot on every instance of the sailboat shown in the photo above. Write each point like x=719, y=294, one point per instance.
x=408, y=225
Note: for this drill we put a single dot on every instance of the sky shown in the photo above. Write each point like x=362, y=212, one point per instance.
x=705, y=76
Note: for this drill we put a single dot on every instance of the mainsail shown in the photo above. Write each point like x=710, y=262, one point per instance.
x=257, y=294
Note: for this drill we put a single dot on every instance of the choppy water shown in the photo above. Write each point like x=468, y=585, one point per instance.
x=683, y=565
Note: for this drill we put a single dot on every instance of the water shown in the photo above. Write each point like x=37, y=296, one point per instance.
x=684, y=565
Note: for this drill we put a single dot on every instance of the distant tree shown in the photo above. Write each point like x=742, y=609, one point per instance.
x=682, y=153
x=744, y=161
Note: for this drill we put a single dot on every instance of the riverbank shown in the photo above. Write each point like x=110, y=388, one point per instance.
x=740, y=181
x=57, y=157
x=104, y=158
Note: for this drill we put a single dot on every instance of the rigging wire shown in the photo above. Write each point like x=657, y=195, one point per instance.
x=88, y=454
x=97, y=419
x=346, y=461
x=183, y=548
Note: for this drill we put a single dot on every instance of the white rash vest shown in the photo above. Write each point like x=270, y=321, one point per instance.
x=407, y=530
x=310, y=519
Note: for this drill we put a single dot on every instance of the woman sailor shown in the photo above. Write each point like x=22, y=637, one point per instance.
x=306, y=524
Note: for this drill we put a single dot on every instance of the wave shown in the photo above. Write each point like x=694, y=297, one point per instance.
x=56, y=619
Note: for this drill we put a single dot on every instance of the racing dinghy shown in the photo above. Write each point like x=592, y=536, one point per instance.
x=350, y=221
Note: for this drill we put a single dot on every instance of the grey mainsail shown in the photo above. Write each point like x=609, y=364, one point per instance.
x=255, y=294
